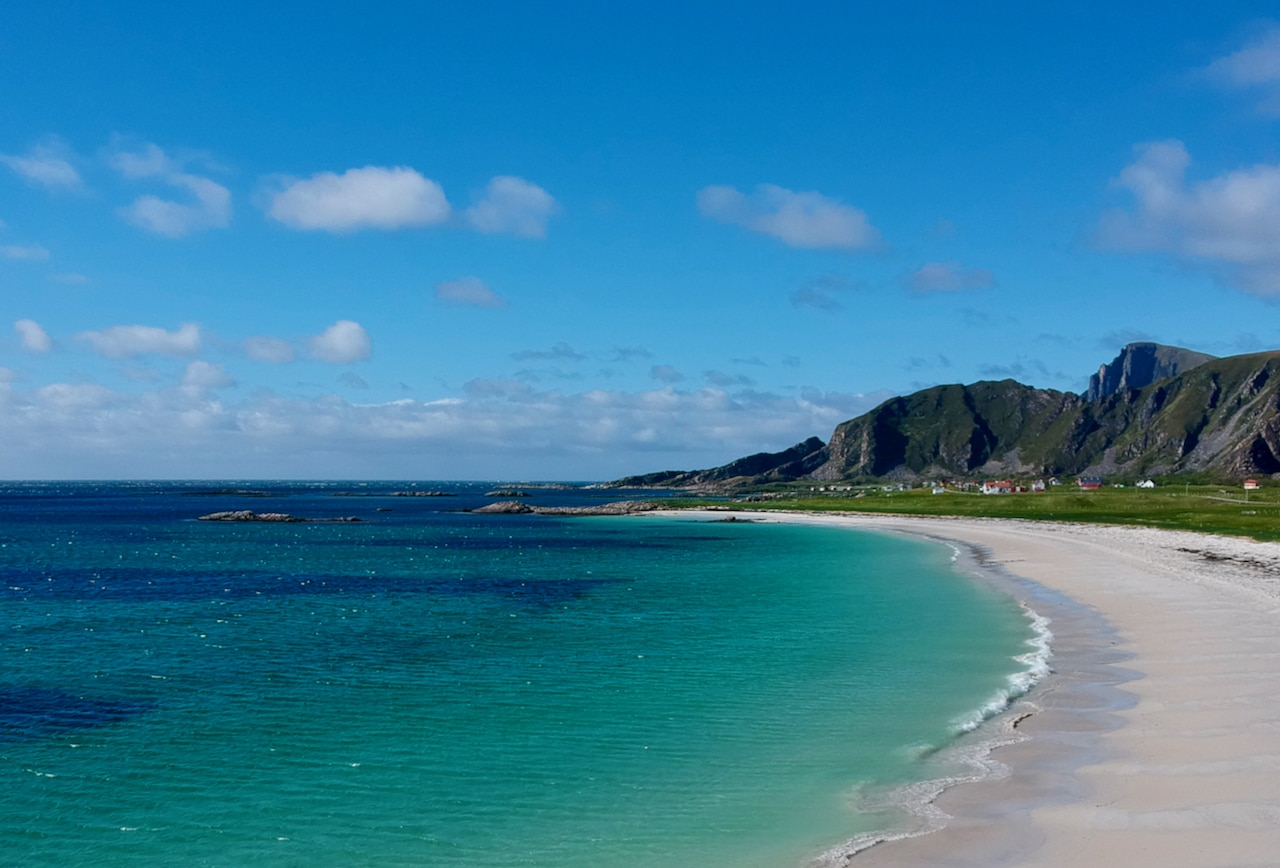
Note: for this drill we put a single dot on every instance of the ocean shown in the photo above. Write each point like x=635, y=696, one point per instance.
x=432, y=687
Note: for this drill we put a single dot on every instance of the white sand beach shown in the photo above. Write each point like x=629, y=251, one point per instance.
x=1184, y=770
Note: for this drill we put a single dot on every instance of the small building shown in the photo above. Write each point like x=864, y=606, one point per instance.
x=1146, y=483
x=1089, y=483
x=1037, y=486
x=999, y=486
x=1251, y=485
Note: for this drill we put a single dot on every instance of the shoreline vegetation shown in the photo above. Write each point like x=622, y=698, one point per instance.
x=1215, y=509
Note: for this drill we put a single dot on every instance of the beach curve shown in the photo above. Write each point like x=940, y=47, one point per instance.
x=1157, y=739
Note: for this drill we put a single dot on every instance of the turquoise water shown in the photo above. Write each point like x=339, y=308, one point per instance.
x=436, y=688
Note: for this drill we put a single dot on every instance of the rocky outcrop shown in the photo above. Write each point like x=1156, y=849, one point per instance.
x=1139, y=365
x=250, y=515
x=621, y=507
x=504, y=507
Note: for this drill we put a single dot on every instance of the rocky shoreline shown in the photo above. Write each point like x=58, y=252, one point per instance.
x=278, y=517
x=621, y=507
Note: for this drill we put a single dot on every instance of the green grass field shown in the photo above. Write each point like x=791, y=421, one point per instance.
x=1206, y=508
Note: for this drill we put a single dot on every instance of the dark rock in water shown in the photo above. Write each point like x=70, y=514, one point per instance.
x=621, y=507
x=29, y=713
x=422, y=494
x=506, y=492
x=505, y=507
x=250, y=515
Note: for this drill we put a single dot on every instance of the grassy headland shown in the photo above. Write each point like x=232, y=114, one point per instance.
x=1204, y=508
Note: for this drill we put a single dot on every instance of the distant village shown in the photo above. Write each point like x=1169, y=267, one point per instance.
x=1008, y=486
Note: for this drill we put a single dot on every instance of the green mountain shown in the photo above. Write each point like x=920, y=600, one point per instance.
x=1220, y=416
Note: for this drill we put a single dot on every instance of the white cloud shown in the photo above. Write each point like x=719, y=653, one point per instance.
x=1230, y=222
x=344, y=341
x=808, y=220
x=30, y=252
x=68, y=430
x=373, y=197
x=126, y=342
x=948, y=277
x=47, y=164
x=513, y=205
x=268, y=349
x=469, y=292
x=209, y=208
x=34, y=338
x=76, y=396
x=204, y=375
x=1255, y=67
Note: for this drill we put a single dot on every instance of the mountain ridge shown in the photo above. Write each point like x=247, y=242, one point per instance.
x=1219, y=416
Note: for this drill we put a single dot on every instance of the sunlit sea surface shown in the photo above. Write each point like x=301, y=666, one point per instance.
x=431, y=687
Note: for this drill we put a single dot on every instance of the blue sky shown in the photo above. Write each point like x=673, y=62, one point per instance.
x=560, y=240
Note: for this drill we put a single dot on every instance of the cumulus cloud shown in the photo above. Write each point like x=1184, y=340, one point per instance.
x=46, y=165
x=126, y=342
x=204, y=375
x=29, y=252
x=514, y=205
x=341, y=343
x=262, y=348
x=497, y=429
x=948, y=277
x=34, y=338
x=1230, y=223
x=1255, y=67
x=208, y=205
x=468, y=292
x=808, y=220
x=373, y=197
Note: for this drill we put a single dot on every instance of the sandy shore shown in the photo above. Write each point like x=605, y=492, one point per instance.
x=1157, y=739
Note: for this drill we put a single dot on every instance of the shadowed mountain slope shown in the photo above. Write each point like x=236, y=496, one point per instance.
x=1220, y=416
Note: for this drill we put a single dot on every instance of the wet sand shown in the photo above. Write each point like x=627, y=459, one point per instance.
x=1156, y=740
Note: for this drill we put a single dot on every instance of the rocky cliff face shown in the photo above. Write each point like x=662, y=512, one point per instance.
x=1139, y=365
x=1217, y=415
x=790, y=463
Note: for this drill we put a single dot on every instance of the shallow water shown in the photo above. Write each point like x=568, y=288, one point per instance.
x=430, y=687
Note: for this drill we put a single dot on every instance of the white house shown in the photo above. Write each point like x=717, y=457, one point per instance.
x=1146, y=483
